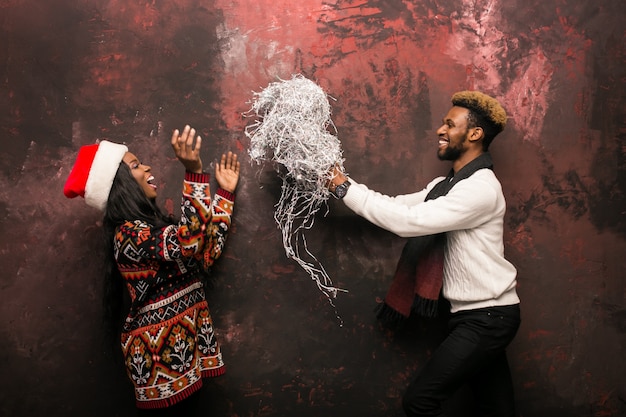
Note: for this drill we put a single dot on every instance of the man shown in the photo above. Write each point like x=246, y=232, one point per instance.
x=467, y=209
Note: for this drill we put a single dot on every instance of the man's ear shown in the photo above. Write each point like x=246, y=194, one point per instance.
x=477, y=133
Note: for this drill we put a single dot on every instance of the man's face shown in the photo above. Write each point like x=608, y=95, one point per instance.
x=453, y=134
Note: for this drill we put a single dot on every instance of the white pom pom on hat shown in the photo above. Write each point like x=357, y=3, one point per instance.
x=94, y=171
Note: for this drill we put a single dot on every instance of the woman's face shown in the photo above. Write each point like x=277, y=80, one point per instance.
x=142, y=175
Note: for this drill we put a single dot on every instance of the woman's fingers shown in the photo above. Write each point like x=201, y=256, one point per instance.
x=198, y=145
x=187, y=148
x=174, y=139
x=227, y=171
x=186, y=142
x=229, y=161
x=188, y=137
x=178, y=138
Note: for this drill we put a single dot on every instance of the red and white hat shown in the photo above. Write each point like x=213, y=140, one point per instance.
x=93, y=173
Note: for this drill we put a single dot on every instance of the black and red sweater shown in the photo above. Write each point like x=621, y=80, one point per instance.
x=168, y=340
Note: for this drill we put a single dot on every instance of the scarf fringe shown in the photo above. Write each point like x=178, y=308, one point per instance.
x=390, y=317
x=425, y=307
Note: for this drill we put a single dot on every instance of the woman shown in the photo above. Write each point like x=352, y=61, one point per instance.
x=167, y=339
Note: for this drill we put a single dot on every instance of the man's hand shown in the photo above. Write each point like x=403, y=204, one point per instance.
x=337, y=178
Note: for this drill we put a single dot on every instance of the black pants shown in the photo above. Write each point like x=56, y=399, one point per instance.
x=473, y=353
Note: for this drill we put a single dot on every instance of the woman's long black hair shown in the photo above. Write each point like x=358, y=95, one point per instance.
x=127, y=201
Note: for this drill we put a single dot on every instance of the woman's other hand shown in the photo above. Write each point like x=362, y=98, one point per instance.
x=186, y=152
x=227, y=172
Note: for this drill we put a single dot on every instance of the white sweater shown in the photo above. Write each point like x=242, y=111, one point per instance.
x=476, y=274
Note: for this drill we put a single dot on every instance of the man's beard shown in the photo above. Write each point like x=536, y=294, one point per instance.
x=451, y=153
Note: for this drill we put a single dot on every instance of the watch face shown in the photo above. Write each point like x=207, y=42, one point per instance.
x=342, y=189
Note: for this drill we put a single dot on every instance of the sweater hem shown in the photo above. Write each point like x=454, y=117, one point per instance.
x=170, y=401
x=212, y=373
x=506, y=299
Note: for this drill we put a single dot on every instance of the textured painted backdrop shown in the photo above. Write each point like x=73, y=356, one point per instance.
x=80, y=70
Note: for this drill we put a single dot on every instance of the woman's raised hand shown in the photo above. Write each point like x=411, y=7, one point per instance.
x=227, y=172
x=186, y=152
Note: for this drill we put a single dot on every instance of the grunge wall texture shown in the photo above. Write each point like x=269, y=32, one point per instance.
x=132, y=71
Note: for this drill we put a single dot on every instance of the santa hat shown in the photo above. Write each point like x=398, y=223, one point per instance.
x=93, y=173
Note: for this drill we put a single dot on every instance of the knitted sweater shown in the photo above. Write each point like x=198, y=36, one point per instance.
x=168, y=341
x=476, y=274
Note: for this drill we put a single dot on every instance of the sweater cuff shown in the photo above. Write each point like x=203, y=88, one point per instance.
x=193, y=177
x=352, y=196
x=226, y=194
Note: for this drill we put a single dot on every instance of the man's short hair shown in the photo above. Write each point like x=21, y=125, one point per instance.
x=486, y=108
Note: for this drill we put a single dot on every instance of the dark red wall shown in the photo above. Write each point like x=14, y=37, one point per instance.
x=132, y=71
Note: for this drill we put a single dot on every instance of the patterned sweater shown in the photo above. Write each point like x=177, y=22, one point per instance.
x=168, y=341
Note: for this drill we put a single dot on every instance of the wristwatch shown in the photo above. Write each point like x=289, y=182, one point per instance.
x=340, y=190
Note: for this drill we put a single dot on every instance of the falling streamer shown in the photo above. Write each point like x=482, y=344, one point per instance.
x=293, y=132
